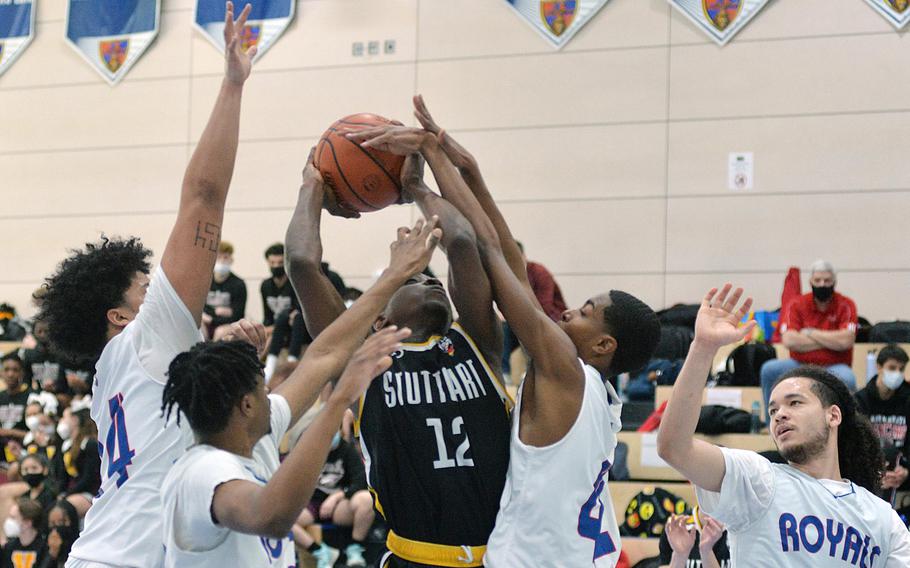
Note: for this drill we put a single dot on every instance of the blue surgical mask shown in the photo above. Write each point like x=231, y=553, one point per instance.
x=336, y=440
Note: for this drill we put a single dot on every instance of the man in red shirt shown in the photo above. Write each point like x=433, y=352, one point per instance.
x=548, y=294
x=818, y=328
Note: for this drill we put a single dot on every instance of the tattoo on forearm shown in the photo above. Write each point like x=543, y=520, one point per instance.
x=208, y=235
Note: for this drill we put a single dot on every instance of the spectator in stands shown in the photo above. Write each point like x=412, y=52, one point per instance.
x=26, y=545
x=12, y=328
x=886, y=401
x=818, y=328
x=41, y=429
x=12, y=406
x=43, y=370
x=41, y=488
x=78, y=461
x=341, y=498
x=63, y=528
x=226, y=302
x=280, y=312
x=683, y=545
x=548, y=294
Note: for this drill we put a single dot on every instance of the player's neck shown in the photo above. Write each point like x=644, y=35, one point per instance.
x=231, y=440
x=27, y=535
x=824, y=466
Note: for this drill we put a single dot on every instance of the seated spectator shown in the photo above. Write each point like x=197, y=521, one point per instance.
x=63, y=529
x=26, y=545
x=43, y=370
x=226, y=302
x=12, y=407
x=42, y=488
x=341, y=498
x=548, y=294
x=886, y=401
x=78, y=462
x=40, y=439
x=683, y=545
x=818, y=328
x=280, y=311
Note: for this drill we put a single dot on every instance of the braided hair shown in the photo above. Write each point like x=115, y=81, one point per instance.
x=859, y=453
x=206, y=382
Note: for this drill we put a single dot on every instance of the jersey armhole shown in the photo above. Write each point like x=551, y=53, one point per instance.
x=500, y=387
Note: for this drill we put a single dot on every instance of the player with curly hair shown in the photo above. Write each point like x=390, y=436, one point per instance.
x=102, y=307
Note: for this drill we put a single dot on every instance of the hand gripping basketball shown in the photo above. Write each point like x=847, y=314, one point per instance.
x=412, y=250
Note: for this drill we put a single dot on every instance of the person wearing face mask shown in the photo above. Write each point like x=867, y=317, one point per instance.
x=341, y=498
x=819, y=328
x=12, y=407
x=886, y=401
x=62, y=530
x=25, y=546
x=226, y=301
x=41, y=429
x=78, y=461
x=280, y=312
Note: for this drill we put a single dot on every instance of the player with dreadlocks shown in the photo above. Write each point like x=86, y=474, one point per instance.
x=226, y=502
x=101, y=307
x=818, y=509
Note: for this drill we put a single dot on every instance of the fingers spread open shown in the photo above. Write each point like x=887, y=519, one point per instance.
x=241, y=21
x=706, y=302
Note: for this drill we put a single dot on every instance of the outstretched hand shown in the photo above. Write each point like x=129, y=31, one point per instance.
x=371, y=359
x=681, y=539
x=238, y=63
x=718, y=318
x=412, y=250
x=392, y=138
x=458, y=155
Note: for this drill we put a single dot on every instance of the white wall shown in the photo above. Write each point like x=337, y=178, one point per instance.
x=608, y=158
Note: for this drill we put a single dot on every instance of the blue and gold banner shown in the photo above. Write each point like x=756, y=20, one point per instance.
x=720, y=19
x=895, y=11
x=557, y=20
x=112, y=34
x=267, y=21
x=17, y=28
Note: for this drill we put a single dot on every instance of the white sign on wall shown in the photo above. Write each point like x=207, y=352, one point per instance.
x=740, y=171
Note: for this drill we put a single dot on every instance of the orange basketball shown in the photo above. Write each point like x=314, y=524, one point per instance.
x=361, y=179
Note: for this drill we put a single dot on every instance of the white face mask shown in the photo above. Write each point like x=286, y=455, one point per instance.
x=11, y=527
x=893, y=379
x=222, y=269
x=64, y=430
x=32, y=422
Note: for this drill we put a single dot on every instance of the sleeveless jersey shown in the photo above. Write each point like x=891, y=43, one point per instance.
x=776, y=515
x=123, y=526
x=556, y=509
x=434, y=429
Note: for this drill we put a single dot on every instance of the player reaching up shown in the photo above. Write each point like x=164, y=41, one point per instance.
x=98, y=309
x=818, y=509
x=567, y=416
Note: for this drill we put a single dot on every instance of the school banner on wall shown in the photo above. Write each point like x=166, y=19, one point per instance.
x=112, y=35
x=720, y=19
x=267, y=21
x=557, y=21
x=17, y=28
x=895, y=11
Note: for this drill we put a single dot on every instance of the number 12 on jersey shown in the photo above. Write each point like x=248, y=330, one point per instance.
x=444, y=460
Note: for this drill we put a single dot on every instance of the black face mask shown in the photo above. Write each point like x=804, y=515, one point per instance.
x=33, y=479
x=278, y=272
x=823, y=293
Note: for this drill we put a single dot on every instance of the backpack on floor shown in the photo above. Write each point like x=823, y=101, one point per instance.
x=890, y=332
x=744, y=365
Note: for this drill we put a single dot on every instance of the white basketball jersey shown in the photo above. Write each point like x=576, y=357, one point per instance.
x=123, y=526
x=191, y=535
x=556, y=510
x=777, y=515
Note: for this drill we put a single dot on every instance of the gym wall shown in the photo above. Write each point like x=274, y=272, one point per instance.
x=609, y=158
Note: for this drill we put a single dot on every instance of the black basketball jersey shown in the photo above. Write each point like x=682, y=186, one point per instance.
x=435, y=434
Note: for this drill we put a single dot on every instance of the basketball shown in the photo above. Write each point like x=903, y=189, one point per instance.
x=361, y=179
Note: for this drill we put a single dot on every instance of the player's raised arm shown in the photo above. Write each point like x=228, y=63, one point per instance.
x=700, y=462
x=320, y=302
x=271, y=510
x=191, y=249
x=469, y=286
x=330, y=351
x=467, y=166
